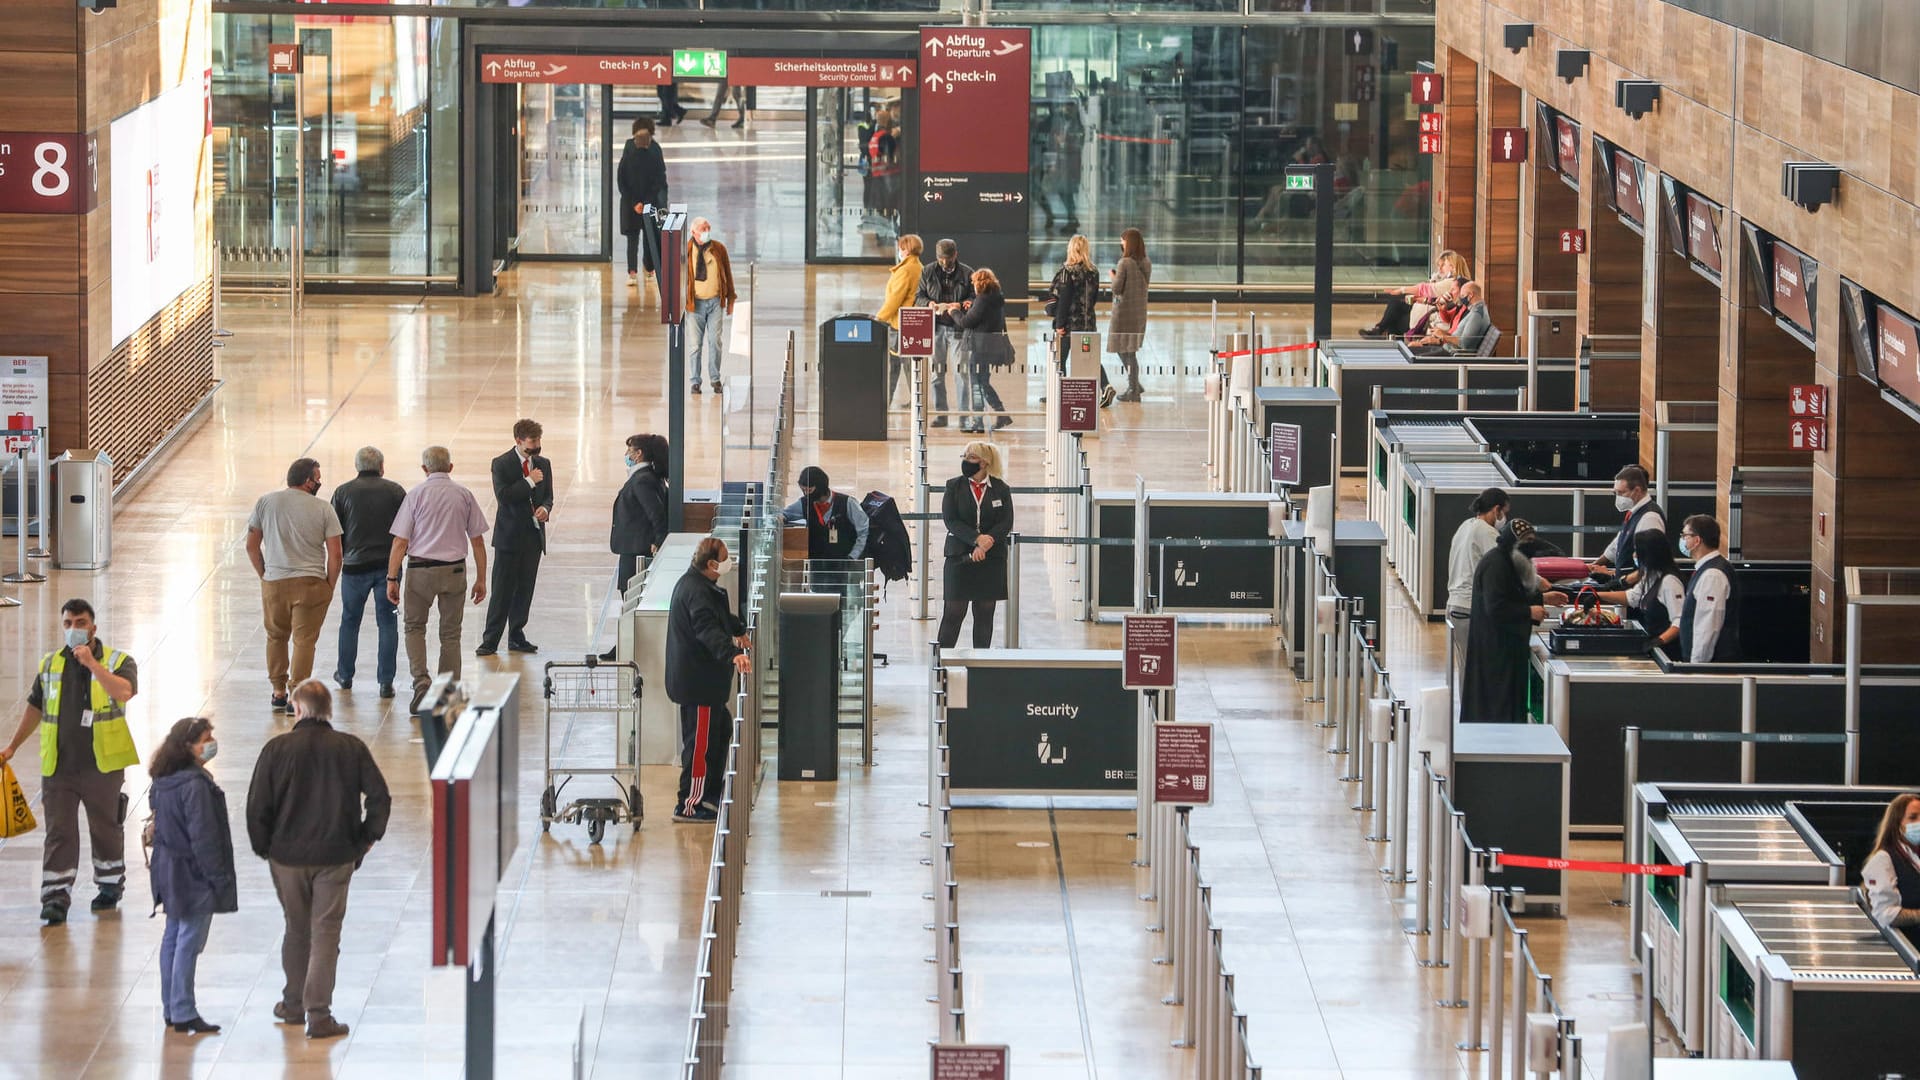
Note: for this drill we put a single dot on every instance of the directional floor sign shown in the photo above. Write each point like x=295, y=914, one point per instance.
x=699, y=64
x=916, y=331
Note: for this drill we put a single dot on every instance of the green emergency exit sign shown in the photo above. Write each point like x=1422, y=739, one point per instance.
x=1299, y=181
x=700, y=63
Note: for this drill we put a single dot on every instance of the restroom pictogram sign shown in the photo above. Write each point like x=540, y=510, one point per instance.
x=1507, y=145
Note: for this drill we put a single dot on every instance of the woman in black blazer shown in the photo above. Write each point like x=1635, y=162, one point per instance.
x=983, y=333
x=978, y=510
x=640, y=510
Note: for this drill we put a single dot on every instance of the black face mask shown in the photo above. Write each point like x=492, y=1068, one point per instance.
x=969, y=468
x=533, y=451
x=314, y=489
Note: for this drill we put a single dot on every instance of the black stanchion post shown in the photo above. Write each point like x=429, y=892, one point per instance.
x=671, y=267
x=480, y=1011
x=1318, y=179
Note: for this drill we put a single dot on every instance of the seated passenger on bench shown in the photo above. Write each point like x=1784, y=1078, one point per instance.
x=1465, y=339
x=1450, y=272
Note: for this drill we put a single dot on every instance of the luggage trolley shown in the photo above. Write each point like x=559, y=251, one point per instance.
x=593, y=696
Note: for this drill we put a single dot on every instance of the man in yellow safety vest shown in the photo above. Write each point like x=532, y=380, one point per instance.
x=79, y=703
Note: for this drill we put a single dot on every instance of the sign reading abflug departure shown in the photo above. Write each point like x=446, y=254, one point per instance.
x=974, y=100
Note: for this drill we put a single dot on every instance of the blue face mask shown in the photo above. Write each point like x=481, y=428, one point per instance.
x=77, y=637
x=1912, y=832
x=207, y=751
x=1686, y=546
x=628, y=463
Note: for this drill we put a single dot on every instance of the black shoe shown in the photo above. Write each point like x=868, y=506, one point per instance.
x=196, y=1026
x=279, y=704
x=1372, y=332
x=386, y=690
x=414, y=705
x=740, y=123
x=108, y=899
x=522, y=646
x=485, y=650
x=1003, y=422
x=344, y=684
x=607, y=657
x=53, y=914
x=284, y=1013
x=699, y=814
x=1107, y=395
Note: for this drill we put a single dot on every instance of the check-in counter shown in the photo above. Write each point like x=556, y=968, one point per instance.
x=1400, y=438
x=642, y=638
x=1591, y=701
x=1435, y=497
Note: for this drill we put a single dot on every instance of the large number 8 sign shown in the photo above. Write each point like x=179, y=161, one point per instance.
x=50, y=170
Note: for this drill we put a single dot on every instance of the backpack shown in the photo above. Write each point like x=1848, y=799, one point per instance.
x=888, y=544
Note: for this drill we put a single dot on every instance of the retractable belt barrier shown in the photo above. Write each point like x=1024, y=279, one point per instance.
x=1228, y=354
x=1764, y=738
x=1588, y=866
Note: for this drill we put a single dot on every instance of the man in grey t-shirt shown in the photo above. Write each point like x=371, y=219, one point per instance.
x=293, y=541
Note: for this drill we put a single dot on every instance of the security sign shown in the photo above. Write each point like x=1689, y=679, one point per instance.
x=1507, y=145
x=1809, y=434
x=1429, y=89
x=1149, y=646
x=1183, y=764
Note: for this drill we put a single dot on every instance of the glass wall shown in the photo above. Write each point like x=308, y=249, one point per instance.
x=1185, y=134
x=374, y=121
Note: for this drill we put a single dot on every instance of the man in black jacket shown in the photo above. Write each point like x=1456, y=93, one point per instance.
x=367, y=505
x=523, y=487
x=945, y=285
x=642, y=178
x=706, y=646
x=305, y=816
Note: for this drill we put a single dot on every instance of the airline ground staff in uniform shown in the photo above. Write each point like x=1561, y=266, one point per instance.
x=79, y=702
x=706, y=646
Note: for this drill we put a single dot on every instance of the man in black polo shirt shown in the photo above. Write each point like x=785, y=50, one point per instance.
x=366, y=506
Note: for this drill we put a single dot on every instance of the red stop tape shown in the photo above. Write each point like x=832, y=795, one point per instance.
x=1539, y=862
x=1267, y=351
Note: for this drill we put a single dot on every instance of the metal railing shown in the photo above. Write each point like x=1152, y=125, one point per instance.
x=727, y=867
x=29, y=478
x=949, y=986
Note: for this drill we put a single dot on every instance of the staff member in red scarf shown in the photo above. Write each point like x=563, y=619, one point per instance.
x=836, y=525
x=978, y=511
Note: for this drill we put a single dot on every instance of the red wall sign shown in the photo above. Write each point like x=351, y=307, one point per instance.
x=1150, y=646
x=1507, y=145
x=1808, y=400
x=1626, y=187
x=45, y=173
x=1430, y=143
x=818, y=71
x=566, y=69
x=916, y=331
x=1899, y=353
x=1183, y=764
x=1079, y=405
x=974, y=85
x=1567, y=135
x=1807, y=434
x=283, y=59
x=1573, y=241
x=1432, y=123
x=1429, y=89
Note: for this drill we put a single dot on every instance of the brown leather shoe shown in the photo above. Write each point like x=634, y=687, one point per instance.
x=325, y=1027
x=284, y=1013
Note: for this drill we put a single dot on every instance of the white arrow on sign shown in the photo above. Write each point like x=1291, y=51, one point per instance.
x=493, y=67
x=659, y=68
x=934, y=46
x=686, y=62
x=1019, y=197
x=928, y=181
x=934, y=82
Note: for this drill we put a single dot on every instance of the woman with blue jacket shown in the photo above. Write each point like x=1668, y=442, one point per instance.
x=192, y=865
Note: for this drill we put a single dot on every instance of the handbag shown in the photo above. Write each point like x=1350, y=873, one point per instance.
x=993, y=350
x=18, y=819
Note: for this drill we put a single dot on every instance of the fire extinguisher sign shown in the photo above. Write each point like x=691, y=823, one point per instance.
x=23, y=399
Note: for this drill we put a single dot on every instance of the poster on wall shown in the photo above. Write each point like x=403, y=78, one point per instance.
x=153, y=175
x=23, y=398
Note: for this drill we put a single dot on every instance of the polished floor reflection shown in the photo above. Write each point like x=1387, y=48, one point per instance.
x=600, y=939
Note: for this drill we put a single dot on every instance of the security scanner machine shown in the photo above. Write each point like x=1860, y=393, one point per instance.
x=1400, y=438
x=1803, y=974
x=1730, y=834
x=1359, y=565
x=1434, y=498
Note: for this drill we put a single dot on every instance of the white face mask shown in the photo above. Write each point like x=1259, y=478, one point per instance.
x=724, y=567
x=1686, y=546
x=1623, y=503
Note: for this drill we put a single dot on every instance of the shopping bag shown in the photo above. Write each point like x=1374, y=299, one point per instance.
x=18, y=817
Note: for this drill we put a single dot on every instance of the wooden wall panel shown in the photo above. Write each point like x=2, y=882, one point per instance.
x=1496, y=256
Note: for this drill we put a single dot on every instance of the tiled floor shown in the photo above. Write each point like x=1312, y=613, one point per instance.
x=601, y=937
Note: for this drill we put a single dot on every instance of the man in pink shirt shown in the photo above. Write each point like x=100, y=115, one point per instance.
x=438, y=523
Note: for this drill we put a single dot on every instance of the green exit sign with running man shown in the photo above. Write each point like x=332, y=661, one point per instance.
x=699, y=63
x=1299, y=181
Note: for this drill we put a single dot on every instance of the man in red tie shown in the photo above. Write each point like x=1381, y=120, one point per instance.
x=523, y=488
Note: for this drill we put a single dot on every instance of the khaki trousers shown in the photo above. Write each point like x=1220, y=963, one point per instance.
x=295, y=610
x=425, y=588
x=314, y=901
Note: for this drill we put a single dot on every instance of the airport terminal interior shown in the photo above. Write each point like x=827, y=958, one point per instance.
x=1270, y=761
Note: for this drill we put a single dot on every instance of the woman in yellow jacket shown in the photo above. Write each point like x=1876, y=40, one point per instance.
x=901, y=283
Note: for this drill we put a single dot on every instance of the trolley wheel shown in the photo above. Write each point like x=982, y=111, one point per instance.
x=549, y=805
x=596, y=829
x=636, y=807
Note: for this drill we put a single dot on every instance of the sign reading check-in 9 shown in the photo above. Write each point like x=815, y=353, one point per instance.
x=43, y=173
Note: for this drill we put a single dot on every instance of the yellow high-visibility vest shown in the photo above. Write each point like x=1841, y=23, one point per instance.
x=112, y=739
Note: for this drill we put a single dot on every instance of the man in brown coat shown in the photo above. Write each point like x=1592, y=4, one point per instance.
x=709, y=296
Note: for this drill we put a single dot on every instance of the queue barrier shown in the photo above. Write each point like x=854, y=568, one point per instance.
x=949, y=984
x=33, y=446
x=707, y=1014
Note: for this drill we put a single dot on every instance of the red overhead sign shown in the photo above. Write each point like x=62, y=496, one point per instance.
x=45, y=173
x=1898, y=352
x=818, y=71
x=1429, y=89
x=1183, y=764
x=1149, y=645
x=974, y=83
x=566, y=69
x=1507, y=145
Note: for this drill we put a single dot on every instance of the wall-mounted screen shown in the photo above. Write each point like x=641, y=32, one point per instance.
x=1703, y=234
x=1629, y=176
x=1897, y=343
x=153, y=156
x=1566, y=135
x=1793, y=282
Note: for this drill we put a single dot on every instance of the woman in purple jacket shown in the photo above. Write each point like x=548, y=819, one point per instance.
x=192, y=865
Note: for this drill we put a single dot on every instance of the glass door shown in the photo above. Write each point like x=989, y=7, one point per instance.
x=562, y=177
x=854, y=184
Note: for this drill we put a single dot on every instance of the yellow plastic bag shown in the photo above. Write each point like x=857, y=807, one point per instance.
x=16, y=816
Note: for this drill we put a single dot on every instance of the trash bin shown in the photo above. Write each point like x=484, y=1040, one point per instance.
x=853, y=378
x=82, y=510
x=809, y=686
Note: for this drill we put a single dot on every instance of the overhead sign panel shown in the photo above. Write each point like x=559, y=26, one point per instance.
x=819, y=71
x=645, y=70
x=699, y=63
x=974, y=104
x=566, y=69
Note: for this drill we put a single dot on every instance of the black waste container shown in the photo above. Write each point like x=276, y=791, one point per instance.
x=809, y=686
x=853, y=378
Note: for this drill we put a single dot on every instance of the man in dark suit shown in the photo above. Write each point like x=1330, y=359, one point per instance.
x=523, y=487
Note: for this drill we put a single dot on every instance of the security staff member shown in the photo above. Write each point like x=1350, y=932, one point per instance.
x=836, y=526
x=978, y=511
x=79, y=701
x=706, y=645
x=1710, y=621
x=523, y=485
x=1640, y=512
